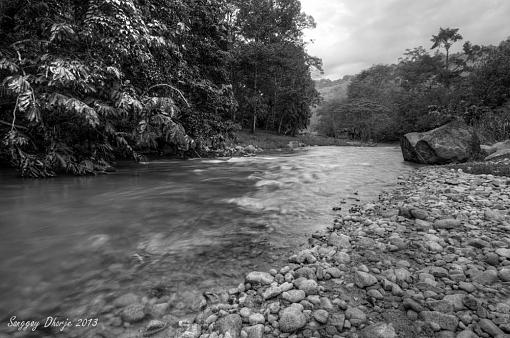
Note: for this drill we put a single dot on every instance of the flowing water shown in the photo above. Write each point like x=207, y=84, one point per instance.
x=172, y=227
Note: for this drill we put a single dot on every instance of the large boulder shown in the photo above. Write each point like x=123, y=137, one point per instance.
x=453, y=142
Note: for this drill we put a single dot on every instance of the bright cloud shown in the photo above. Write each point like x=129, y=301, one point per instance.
x=354, y=34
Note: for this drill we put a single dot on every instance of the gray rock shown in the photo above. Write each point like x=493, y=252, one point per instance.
x=305, y=272
x=488, y=326
x=452, y=142
x=493, y=215
x=419, y=214
x=503, y=252
x=255, y=331
x=449, y=223
x=363, y=279
x=230, y=324
x=355, y=315
x=487, y=277
x=133, y=313
x=321, y=316
x=256, y=318
x=271, y=292
x=504, y=274
x=445, y=321
x=433, y=246
x=440, y=306
x=468, y=287
x=257, y=277
x=422, y=225
x=456, y=301
x=342, y=258
x=309, y=286
x=467, y=334
x=294, y=296
x=334, y=272
x=378, y=330
x=340, y=241
x=337, y=320
x=193, y=331
x=291, y=319
x=413, y=305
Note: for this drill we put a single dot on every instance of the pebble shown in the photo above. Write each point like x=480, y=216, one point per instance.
x=291, y=319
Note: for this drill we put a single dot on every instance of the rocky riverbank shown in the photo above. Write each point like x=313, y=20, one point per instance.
x=430, y=259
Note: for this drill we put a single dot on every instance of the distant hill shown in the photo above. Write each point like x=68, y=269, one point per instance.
x=329, y=90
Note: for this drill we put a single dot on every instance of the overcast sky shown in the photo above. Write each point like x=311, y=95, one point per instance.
x=352, y=35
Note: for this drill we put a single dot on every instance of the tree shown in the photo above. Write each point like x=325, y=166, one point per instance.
x=84, y=82
x=446, y=38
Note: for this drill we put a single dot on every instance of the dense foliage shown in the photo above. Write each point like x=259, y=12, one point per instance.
x=272, y=70
x=425, y=90
x=85, y=82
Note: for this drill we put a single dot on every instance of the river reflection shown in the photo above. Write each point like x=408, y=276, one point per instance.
x=172, y=226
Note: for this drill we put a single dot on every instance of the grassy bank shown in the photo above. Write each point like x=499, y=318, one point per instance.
x=268, y=140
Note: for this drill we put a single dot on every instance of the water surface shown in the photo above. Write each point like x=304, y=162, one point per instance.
x=172, y=227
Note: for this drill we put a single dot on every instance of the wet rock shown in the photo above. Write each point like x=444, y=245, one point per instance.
x=258, y=277
x=378, y=330
x=291, y=319
x=133, y=313
x=125, y=300
x=340, y=241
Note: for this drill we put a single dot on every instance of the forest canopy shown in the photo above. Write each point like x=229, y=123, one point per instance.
x=86, y=82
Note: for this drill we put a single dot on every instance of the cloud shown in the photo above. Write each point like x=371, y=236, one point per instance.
x=354, y=34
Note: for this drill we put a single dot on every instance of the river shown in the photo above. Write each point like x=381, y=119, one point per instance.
x=173, y=228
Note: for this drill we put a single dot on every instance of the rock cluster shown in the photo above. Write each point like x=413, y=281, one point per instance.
x=431, y=258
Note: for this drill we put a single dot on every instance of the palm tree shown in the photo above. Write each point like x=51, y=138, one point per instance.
x=446, y=38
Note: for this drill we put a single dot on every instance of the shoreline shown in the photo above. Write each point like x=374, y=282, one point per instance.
x=431, y=258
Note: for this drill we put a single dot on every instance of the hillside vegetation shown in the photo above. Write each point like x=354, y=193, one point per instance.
x=424, y=90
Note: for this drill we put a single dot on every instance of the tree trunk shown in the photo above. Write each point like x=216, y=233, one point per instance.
x=255, y=106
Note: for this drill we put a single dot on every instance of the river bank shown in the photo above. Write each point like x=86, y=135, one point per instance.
x=164, y=232
x=430, y=259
